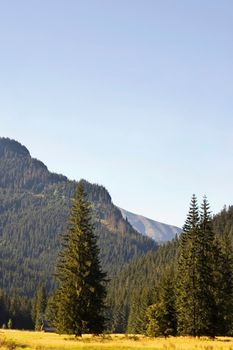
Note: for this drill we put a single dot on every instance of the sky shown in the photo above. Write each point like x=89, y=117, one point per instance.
x=136, y=95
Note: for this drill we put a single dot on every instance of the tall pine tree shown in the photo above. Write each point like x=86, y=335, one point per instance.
x=205, y=273
x=81, y=292
x=187, y=312
x=195, y=281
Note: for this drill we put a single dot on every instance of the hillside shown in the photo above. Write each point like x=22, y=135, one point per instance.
x=159, y=231
x=138, y=280
x=34, y=208
x=134, y=282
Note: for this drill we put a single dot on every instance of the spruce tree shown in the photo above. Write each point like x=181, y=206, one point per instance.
x=81, y=291
x=196, y=302
x=186, y=304
x=205, y=273
x=39, y=306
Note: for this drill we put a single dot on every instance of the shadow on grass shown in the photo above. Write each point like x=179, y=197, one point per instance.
x=94, y=338
x=102, y=338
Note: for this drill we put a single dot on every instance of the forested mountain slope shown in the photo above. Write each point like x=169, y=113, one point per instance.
x=135, y=286
x=223, y=222
x=34, y=208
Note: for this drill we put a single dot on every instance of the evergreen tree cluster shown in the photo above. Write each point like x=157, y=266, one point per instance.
x=20, y=312
x=161, y=317
x=185, y=287
x=204, y=279
x=182, y=287
x=137, y=285
x=15, y=311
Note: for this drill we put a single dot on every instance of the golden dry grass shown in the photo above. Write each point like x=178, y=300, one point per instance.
x=16, y=340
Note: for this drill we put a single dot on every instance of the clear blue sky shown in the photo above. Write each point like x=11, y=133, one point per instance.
x=136, y=95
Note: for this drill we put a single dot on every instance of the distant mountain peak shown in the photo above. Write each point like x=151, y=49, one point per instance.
x=10, y=147
x=159, y=231
x=18, y=170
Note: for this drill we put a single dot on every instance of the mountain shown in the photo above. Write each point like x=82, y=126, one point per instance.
x=34, y=210
x=156, y=230
x=20, y=172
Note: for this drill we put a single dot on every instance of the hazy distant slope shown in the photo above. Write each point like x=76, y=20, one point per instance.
x=158, y=231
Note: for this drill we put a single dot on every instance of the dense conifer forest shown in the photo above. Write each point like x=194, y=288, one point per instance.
x=140, y=293
x=150, y=287
x=34, y=208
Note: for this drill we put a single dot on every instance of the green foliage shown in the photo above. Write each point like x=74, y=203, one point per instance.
x=195, y=294
x=223, y=283
x=15, y=311
x=9, y=324
x=39, y=304
x=136, y=285
x=81, y=282
x=161, y=317
x=137, y=315
x=34, y=210
x=204, y=282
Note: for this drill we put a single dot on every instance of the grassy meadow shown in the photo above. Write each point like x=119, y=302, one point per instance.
x=16, y=340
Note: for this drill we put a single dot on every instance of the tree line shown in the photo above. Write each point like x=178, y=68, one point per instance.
x=194, y=295
x=19, y=312
x=186, y=286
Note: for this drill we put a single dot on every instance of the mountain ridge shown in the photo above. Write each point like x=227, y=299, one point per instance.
x=34, y=211
x=156, y=230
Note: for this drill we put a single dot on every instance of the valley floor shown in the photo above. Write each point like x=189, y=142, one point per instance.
x=16, y=340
